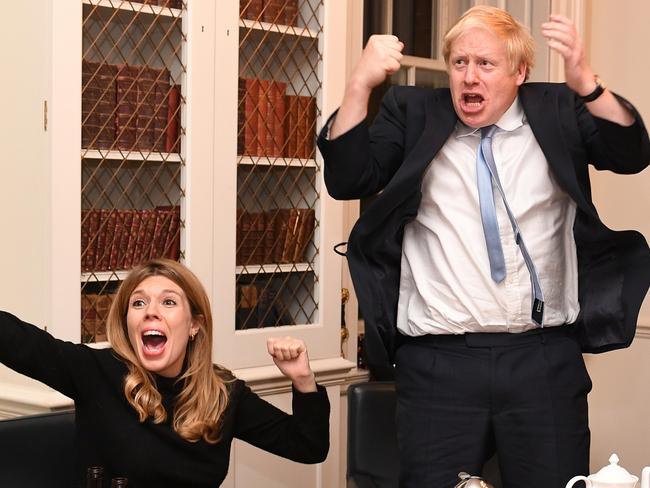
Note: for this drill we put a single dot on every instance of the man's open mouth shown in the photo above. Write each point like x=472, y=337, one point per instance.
x=472, y=99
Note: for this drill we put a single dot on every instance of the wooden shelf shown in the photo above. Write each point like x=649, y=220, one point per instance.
x=273, y=268
x=130, y=155
x=99, y=276
x=276, y=161
x=135, y=7
x=277, y=28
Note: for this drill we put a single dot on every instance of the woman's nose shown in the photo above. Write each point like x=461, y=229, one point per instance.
x=152, y=309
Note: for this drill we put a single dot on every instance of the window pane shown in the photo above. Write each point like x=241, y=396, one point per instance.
x=431, y=79
x=412, y=23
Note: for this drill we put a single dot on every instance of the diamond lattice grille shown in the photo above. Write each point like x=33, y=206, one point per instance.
x=132, y=138
x=278, y=210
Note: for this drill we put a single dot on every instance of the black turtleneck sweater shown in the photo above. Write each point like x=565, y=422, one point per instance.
x=109, y=434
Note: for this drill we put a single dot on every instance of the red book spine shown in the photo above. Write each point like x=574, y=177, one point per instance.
x=133, y=239
x=291, y=126
x=279, y=113
x=124, y=239
x=161, y=109
x=272, y=11
x=120, y=229
x=127, y=100
x=108, y=232
x=250, y=9
x=305, y=233
x=290, y=12
x=93, y=237
x=172, y=141
x=145, y=108
x=262, y=117
x=173, y=240
x=162, y=229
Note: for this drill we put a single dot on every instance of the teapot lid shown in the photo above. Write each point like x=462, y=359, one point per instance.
x=469, y=481
x=613, y=473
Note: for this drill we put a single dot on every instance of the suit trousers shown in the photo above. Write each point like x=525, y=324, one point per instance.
x=460, y=398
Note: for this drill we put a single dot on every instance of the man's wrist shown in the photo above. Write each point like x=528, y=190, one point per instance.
x=597, y=89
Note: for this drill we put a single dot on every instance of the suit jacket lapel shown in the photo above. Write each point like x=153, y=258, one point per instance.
x=542, y=110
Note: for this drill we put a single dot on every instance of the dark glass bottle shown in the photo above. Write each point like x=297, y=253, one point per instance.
x=95, y=477
x=119, y=482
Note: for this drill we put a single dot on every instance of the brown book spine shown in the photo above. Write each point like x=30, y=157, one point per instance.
x=306, y=127
x=108, y=233
x=251, y=117
x=290, y=12
x=269, y=235
x=136, y=223
x=263, y=117
x=173, y=240
x=305, y=234
x=127, y=100
x=145, y=122
x=172, y=141
x=279, y=114
x=93, y=238
x=291, y=126
x=161, y=109
x=85, y=238
x=88, y=317
x=100, y=240
x=98, y=105
x=272, y=12
x=144, y=237
x=120, y=230
x=251, y=9
x=293, y=224
x=241, y=114
x=310, y=138
x=257, y=238
x=161, y=237
x=244, y=250
x=124, y=239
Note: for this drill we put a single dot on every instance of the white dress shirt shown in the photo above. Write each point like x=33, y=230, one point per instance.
x=445, y=284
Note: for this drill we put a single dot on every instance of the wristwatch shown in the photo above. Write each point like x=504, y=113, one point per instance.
x=598, y=91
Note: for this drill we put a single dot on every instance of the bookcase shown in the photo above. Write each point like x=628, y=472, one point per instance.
x=137, y=112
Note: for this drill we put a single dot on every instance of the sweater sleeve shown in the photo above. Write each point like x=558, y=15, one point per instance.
x=33, y=352
x=302, y=436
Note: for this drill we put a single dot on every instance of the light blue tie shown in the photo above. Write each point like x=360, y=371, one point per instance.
x=486, y=172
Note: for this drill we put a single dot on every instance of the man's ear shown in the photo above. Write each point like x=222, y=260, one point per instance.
x=521, y=73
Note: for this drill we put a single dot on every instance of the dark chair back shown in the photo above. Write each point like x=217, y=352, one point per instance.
x=373, y=461
x=36, y=451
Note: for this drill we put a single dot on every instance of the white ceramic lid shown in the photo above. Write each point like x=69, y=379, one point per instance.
x=613, y=473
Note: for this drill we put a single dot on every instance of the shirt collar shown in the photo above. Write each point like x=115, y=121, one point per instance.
x=512, y=119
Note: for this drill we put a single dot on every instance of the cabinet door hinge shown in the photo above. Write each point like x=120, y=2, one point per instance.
x=45, y=115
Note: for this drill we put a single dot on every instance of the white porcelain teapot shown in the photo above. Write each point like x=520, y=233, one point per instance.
x=613, y=476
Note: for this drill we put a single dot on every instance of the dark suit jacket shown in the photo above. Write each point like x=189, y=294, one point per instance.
x=391, y=157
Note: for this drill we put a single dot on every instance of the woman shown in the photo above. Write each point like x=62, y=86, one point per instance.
x=154, y=408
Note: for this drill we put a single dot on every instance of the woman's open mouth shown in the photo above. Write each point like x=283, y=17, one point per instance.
x=153, y=342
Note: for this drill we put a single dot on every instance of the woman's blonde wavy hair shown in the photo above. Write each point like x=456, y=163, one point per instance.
x=520, y=47
x=204, y=397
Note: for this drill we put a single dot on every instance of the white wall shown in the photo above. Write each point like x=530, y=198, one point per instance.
x=618, y=37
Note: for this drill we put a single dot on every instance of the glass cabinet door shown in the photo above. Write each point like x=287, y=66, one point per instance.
x=132, y=138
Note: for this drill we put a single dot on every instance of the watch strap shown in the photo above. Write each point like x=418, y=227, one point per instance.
x=598, y=91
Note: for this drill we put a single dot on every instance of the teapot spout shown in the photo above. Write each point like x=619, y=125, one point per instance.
x=645, y=477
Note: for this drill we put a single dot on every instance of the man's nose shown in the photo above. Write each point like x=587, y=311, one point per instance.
x=471, y=74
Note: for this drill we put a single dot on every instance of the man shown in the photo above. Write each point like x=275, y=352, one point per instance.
x=482, y=267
